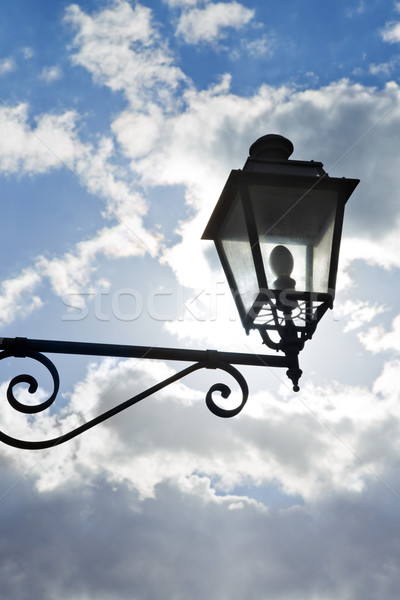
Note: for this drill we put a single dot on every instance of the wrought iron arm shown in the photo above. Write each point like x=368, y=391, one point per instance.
x=204, y=359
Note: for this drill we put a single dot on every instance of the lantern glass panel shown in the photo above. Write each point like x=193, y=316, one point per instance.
x=302, y=221
x=236, y=246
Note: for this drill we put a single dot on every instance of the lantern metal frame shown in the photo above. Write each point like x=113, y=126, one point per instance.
x=268, y=163
x=292, y=315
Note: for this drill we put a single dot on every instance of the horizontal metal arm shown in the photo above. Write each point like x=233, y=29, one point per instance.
x=202, y=359
x=20, y=346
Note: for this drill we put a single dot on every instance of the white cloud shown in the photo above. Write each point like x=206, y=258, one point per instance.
x=50, y=74
x=76, y=271
x=181, y=3
x=357, y=10
x=27, y=52
x=138, y=132
x=391, y=32
x=384, y=68
x=121, y=49
x=261, y=47
x=357, y=313
x=383, y=252
x=207, y=24
x=54, y=143
x=26, y=150
x=7, y=65
x=17, y=297
x=387, y=383
x=377, y=339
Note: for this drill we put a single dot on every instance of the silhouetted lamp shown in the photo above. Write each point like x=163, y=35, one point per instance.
x=277, y=228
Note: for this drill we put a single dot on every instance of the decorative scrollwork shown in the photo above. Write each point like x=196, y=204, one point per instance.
x=32, y=383
x=209, y=363
x=226, y=392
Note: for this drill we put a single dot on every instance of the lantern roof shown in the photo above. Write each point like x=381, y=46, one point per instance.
x=269, y=163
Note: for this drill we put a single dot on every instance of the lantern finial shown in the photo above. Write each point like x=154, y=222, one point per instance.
x=271, y=147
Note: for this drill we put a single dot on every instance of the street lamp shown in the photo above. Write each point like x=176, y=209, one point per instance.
x=277, y=229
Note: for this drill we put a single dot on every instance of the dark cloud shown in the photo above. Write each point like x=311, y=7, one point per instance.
x=100, y=541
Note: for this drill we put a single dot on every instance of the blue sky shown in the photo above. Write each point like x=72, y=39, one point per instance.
x=119, y=125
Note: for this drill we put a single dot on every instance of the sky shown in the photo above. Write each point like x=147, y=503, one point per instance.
x=120, y=122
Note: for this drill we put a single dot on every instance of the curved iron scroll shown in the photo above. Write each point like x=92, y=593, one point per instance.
x=210, y=363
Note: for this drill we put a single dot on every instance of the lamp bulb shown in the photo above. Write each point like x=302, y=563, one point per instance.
x=282, y=263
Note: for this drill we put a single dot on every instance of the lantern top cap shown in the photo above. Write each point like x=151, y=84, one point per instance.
x=271, y=147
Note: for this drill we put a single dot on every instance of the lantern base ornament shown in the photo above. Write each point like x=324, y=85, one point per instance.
x=291, y=343
x=292, y=328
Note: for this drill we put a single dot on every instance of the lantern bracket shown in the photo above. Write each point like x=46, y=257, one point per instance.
x=203, y=359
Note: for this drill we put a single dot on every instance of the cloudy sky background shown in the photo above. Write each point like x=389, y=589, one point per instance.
x=119, y=124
